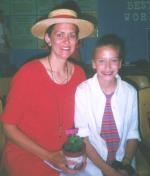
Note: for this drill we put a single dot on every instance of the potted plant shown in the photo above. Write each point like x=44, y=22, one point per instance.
x=74, y=149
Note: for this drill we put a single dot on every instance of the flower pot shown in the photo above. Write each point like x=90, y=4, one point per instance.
x=74, y=151
x=74, y=160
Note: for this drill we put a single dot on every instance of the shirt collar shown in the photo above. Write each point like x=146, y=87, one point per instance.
x=96, y=83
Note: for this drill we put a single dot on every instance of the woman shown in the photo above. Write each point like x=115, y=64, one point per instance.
x=40, y=104
x=106, y=113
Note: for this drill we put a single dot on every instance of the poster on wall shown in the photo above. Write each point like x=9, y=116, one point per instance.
x=23, y=7
x=23, y=14
x=4, y=6
x=21, y=34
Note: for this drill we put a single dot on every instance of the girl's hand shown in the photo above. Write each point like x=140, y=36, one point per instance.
x=113, y=172
x=123, y=172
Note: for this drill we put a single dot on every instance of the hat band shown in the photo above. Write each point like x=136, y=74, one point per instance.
x=64, y=16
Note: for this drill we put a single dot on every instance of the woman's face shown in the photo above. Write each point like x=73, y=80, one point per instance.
x=63, y=40
x=106, y=62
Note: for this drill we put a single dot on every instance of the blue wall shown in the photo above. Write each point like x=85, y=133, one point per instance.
x=130, y=19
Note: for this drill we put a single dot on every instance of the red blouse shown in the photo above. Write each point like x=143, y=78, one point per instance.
x=42, y=109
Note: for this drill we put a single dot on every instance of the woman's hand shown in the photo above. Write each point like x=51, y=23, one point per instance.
x=57, y=159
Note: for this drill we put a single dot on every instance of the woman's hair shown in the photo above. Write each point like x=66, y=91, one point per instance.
x=114, y=41
x=50, y=29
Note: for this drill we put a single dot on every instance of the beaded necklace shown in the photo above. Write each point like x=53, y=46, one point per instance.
x=59, y=106
x=53, y=73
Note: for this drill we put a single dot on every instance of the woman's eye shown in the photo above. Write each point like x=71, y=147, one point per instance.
x=115, y=60
x=73, y=35
x=59, y=35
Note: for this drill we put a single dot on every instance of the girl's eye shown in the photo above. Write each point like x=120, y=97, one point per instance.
x=100, y=61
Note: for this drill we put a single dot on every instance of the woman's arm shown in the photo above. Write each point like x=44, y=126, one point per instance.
x=19, y=138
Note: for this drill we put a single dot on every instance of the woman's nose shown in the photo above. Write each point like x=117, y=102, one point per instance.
x=66, y=39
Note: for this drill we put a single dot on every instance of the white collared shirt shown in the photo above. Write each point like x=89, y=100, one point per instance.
x=89, y=109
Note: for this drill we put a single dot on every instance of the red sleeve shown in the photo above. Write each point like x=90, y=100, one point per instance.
x=18, y=96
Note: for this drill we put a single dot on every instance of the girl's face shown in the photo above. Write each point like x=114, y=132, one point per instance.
x=106, y=62
x=63, y=40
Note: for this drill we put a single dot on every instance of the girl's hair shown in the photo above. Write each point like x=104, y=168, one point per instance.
x=112, y=40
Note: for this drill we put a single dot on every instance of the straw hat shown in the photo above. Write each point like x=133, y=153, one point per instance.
x=62, y=16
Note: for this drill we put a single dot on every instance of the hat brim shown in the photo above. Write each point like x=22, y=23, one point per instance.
x=86, y=28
